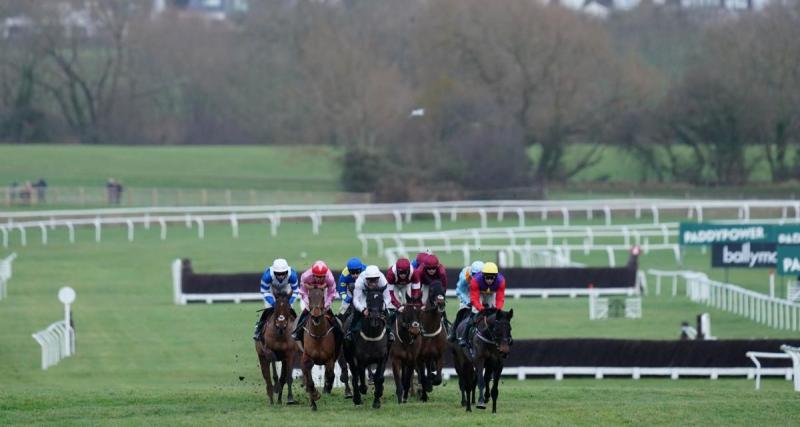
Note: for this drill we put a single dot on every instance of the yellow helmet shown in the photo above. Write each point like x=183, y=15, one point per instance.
x=489, y=268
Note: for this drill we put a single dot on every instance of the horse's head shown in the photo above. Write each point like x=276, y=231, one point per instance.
x=408, y=319
x=436, y=296
x=282, y=311
x=375, y=305
x=500, y=329
x=316, y=301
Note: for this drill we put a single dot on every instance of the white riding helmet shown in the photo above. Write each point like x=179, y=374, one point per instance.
x=476, y=267
x=372, y=272
x=280, y=266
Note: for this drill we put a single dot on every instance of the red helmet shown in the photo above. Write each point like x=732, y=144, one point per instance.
x=403, y=264
x=431, y=261
x=319, y=268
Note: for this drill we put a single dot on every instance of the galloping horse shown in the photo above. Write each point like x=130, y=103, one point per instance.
x=319, y=344
x=405, y=350
x=370, y=346
x=491, y=342
x=277, y=345
x=434, y=339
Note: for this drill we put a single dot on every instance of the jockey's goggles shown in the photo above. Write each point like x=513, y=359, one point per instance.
x=490, y=276
x=319, y=278
x=281, y=273
x=355, y=272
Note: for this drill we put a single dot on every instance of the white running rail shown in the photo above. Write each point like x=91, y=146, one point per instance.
x=57, y=342
x=5, y=274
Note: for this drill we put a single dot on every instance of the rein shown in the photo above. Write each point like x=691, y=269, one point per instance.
x=399, y=335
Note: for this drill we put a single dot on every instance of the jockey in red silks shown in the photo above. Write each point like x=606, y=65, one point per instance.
x=487, y=290
x=318, y=276
x=431, y=271
x=402, y=289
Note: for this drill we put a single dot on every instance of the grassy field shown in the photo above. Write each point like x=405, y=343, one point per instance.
x=143, y=360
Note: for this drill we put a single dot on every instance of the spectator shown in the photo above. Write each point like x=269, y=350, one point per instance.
x=25, y=193
x=41, y=187
x=118, y=193
x=12, y=191
x=111, y=190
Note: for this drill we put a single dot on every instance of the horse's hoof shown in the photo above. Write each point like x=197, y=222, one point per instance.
x=357, y=402
x=363, y=389
x=481, y=405
x=469, y=410
x=313, y=406
x=376, y=404
x=315, y=396
x=291, y=401
x=494, y=411
x=348, y=395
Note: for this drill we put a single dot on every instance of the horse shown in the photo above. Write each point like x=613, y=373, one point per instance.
x=405, y=350
x=491, y=341
x=434, y=339
x=277, y=345
x=344, y=377
x=319, y=344
x=370, y=346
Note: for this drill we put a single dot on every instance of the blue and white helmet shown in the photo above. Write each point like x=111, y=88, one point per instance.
x=476, y=267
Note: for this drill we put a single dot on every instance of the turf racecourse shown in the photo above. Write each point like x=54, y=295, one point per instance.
x=143, y=360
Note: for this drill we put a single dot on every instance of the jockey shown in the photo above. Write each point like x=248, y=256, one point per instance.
x=462, y=291
x=420, y=259
x=401, y=288
x=486, y=290
x=371, y=279
x=318, y=276
x=346, y=281
x=277, y=279
x=431, y=271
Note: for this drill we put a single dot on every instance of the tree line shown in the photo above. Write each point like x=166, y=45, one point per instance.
x=452, y=92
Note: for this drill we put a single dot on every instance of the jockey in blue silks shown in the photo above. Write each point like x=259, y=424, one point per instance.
x=462, y=292
x=277, y=279
x=347, y=281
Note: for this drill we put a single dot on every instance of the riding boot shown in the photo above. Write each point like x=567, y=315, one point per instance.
x=258, y=334
x=462, y=339
x=355, y=326
x=297, y=335
x=389, y=331
x=459, y=317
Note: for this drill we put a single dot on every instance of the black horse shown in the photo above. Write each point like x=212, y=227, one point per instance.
x=491, y=343
x=434, y=339
x=369, y=346
x=405, y=350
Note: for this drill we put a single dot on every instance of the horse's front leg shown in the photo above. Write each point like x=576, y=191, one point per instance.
x=497, y=371
x=264, y=362
x=355, y=377
x=289, y=368
x=399, y=378
x=479, y=365
x=329, y=376
x=408, y=373
x=437, y=379
x=378, y=376
x=423, y=381
x=313, y=394
x=345, y=378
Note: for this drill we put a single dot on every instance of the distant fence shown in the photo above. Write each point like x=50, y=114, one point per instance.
x=22, y=221
x=773, y=312
x=189, y=286
x=99, y=195
x=5, y=274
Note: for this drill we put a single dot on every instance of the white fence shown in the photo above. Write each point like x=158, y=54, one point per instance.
x=773, y=312
x=5, y=274
x=401, y=212
x=600, y=372
x=628, y=235
x=57, y=341
x=513, y=252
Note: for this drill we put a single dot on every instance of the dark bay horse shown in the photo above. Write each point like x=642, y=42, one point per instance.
x=434, y=339
x=277, y=345
x=369, y=346
x=405, y=350
x=319, y=344
x=491, y=342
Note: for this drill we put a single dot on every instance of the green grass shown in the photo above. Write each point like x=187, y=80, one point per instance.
x=291, y=168
x=143, y=360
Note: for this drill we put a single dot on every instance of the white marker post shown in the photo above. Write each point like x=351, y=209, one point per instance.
x=67, y=295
